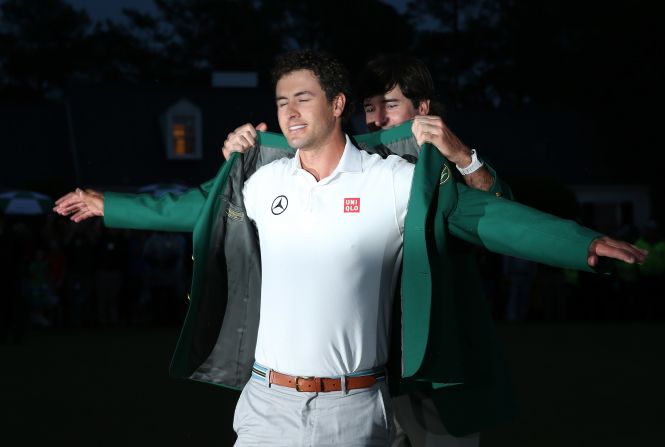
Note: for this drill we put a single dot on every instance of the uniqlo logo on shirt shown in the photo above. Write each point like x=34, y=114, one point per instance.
x=352, y=205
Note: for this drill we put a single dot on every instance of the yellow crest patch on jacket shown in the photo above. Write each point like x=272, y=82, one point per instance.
x=445, y=175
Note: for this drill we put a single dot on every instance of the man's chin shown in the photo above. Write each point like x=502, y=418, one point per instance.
x=296, y=143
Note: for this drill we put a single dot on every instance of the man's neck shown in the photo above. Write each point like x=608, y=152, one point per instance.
x=322, y=161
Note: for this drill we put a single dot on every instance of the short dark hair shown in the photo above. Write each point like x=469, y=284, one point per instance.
x=331, y=73
x=386, y=71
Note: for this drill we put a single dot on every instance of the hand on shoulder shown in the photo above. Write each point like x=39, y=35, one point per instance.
x=242, y=139
x=432, y=129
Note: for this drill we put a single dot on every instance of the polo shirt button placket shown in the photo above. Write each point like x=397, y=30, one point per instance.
x=310, y=196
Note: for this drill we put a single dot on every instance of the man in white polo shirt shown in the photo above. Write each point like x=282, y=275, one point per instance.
x=330, y=223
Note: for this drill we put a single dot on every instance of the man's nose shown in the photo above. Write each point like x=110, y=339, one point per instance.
x=381, y=118
x=292, y=111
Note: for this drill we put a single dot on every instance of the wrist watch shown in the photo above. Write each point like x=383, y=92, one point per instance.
x=476, y=164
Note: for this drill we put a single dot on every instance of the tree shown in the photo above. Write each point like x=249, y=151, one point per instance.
x=40, y=45
x=352, y=30
x=204, y=35
x=46, y=44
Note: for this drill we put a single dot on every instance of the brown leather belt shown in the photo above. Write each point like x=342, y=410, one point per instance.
x=322, y=384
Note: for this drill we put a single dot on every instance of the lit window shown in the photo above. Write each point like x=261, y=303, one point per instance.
x=184, y=139
x=183, y=127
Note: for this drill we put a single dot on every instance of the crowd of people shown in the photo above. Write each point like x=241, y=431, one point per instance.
x=524, y=290
x=59, y=274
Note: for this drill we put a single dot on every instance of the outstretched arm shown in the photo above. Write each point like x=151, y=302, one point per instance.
x=170, y=212
x=143, y=211
x=514, y=229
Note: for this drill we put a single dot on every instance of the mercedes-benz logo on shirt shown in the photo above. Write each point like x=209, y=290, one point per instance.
x=279, y=205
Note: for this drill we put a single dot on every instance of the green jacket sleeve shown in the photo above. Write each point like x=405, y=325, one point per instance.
x=513, y=229
x=170, y=212
x=499, y=188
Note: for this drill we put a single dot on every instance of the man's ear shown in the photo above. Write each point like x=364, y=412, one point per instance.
x=423, y=107
x=339, y=102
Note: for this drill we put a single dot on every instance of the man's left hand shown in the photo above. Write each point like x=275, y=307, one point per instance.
x=432, y=129
x=611, y=248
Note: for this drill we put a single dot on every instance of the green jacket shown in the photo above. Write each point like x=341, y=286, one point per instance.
x=447, y=336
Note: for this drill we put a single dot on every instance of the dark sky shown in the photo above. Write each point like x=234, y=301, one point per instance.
x=104, y=9
x=112, y=9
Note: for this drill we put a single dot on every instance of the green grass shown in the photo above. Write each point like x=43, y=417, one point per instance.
x=107, y=387
x=585, y=384
x=579, y=384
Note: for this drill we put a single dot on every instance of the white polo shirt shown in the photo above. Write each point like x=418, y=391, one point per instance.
x=330, y=254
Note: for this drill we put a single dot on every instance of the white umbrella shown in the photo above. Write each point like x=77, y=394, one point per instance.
x=159, y=189
x=26, y=203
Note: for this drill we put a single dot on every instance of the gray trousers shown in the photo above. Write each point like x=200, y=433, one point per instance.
x=280, y=416
x=418, y=424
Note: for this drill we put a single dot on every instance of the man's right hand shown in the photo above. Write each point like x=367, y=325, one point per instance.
x=242, y=139
x=80, y=205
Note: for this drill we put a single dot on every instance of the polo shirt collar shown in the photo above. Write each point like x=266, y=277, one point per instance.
x=351, y=160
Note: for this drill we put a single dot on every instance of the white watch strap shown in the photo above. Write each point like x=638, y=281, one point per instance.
x=476, y=164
